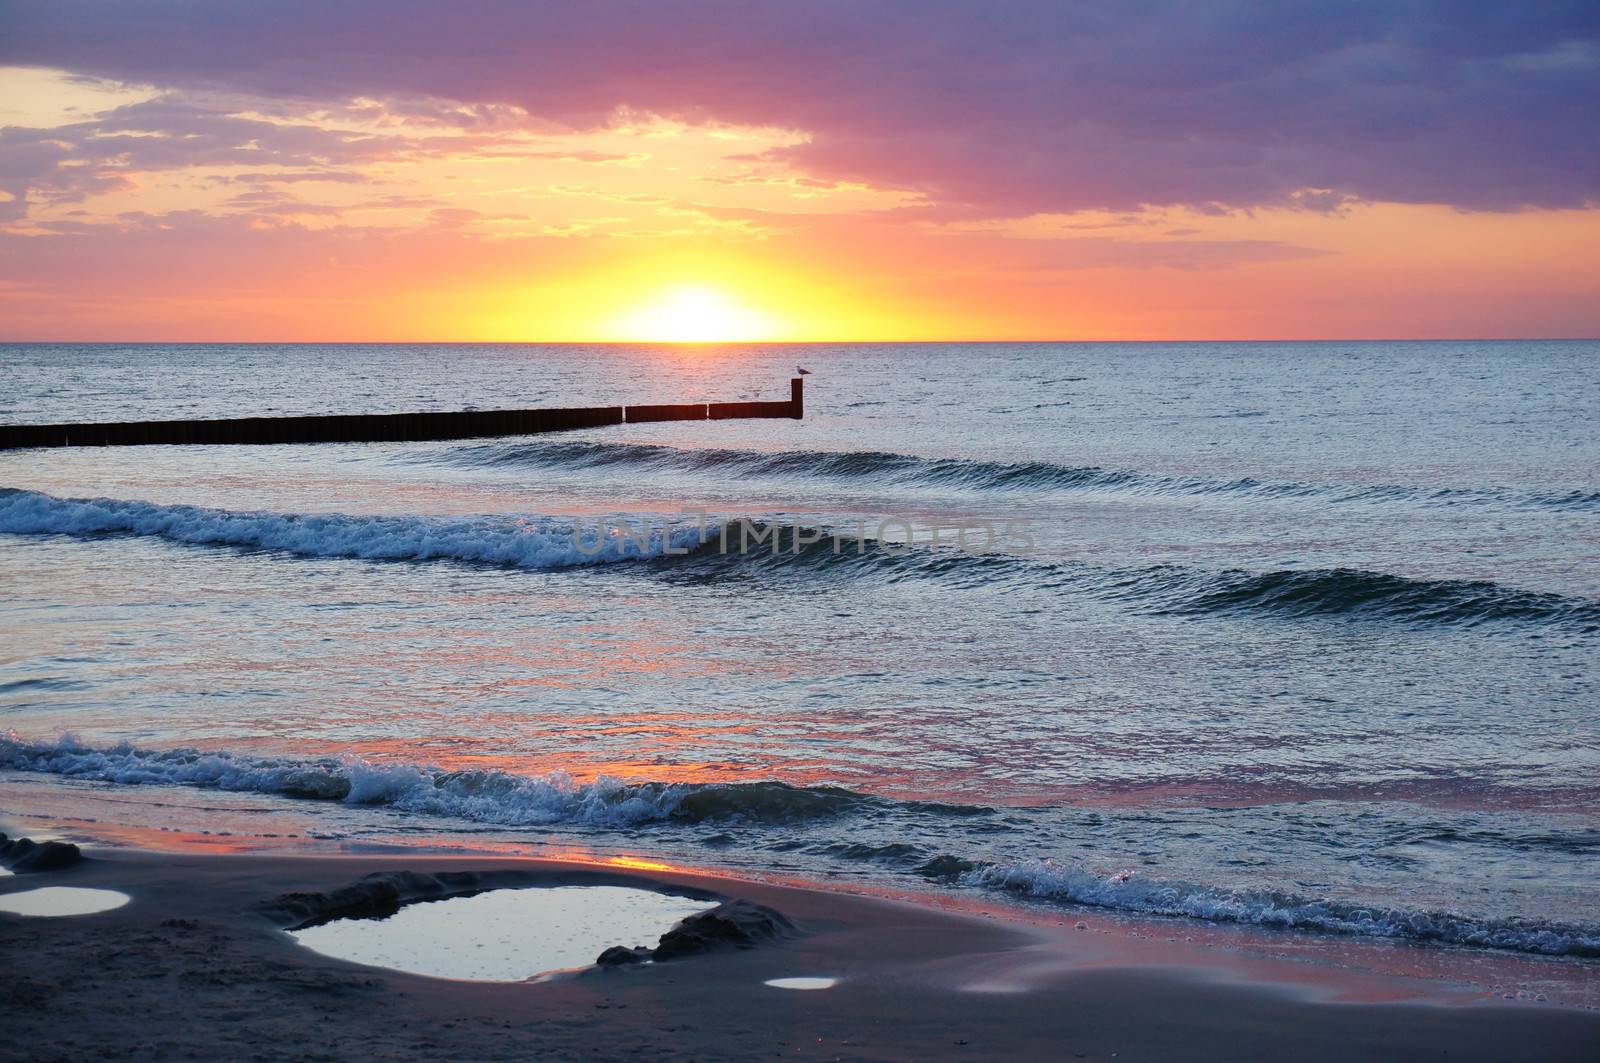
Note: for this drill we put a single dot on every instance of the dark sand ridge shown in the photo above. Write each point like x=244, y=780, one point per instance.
x=197, y=966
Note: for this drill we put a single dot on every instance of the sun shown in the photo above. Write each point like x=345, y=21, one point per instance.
x=692, y=313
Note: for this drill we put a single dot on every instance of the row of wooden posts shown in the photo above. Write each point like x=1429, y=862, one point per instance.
x=385, y=427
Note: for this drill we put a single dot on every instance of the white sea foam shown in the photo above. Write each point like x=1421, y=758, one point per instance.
x=542, y=543
x=481, y=796
x=556, y=800
x=492, y=797
x=1131, y=892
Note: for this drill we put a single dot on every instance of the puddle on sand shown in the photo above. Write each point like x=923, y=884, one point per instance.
x=62, y=900
x=801, y=983
x=505, y=935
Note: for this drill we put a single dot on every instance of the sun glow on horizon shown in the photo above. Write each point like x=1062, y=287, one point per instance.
x=693, y=313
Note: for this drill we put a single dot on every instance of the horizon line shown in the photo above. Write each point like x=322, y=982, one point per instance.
x=784, y=343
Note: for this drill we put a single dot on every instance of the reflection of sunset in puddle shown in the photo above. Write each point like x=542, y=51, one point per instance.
x=1337, y=968
x=54, y=901
x=505, y=935
x=802, y=983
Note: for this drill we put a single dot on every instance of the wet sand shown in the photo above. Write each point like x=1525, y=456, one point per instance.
x=198, y=965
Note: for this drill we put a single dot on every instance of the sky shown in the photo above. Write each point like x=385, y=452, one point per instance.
x=213, y=170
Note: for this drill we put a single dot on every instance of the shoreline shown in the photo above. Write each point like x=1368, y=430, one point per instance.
x=89, y=813
x=916, y=980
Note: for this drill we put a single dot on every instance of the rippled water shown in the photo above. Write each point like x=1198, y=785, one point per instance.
x=1299, y=634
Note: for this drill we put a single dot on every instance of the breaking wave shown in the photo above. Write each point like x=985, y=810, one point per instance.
x=505, y=541
x=1129, y=892
x=490, y=797
x=907, y=470
x=808, y=553
x=1354, y=593
x=557, y=801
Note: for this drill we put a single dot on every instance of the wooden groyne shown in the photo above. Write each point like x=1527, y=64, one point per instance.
x=384, y=427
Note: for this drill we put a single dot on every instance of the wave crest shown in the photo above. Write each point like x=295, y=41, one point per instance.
x=908, y=470
x=545, y=543
x=1129, y=892
x=809, y=553
x=556, y=800
x=1357, y=593
x=492, y=797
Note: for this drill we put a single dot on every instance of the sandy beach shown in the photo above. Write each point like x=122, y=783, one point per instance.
x=197, y=965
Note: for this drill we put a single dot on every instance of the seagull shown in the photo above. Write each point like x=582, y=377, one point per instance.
x=801, y=372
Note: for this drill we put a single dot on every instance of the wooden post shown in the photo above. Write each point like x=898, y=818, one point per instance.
x=383, y=427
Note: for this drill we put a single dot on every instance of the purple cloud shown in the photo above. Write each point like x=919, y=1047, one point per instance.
x=68, y=163
x=990, y=109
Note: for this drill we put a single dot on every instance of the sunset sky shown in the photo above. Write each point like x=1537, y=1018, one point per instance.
x=798, y=171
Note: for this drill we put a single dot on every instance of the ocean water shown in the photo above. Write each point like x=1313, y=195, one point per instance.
x=1298, y=635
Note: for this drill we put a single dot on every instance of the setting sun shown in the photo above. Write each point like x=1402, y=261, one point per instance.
x=693, y=314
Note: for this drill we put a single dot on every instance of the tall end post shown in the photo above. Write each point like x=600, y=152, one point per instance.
x=797, y=397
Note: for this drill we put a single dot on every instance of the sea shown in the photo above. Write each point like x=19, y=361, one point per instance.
x=1296, y=636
